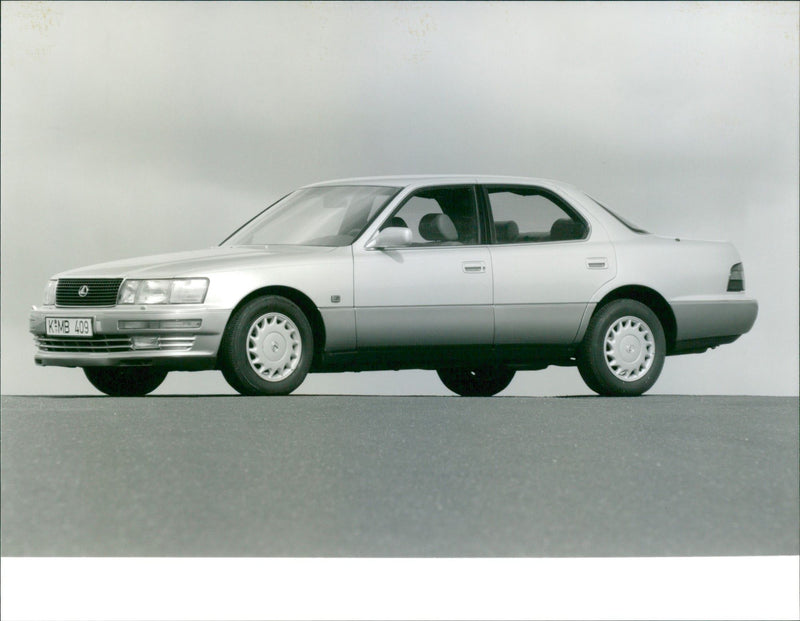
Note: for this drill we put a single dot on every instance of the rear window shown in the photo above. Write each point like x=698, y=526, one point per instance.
x=627, y=223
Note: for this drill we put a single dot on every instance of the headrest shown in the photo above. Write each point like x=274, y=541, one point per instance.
x=506, y=231
x=565, y=229
x=437, y=227
x=395, y=221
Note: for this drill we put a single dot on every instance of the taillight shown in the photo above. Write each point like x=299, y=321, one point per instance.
x=736, y=278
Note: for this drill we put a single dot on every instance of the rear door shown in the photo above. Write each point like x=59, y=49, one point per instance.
x=547, y=263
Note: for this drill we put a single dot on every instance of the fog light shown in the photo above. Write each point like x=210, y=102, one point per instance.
x=145, y=342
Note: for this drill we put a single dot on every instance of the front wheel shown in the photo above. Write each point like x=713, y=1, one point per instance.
x=481, y=382
x=267, y=348
x=125, y=381
x=623, y=351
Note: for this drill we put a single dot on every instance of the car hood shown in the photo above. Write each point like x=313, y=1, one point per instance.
x=199, y=263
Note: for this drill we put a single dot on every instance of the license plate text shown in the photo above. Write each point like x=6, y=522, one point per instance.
x=68, y=326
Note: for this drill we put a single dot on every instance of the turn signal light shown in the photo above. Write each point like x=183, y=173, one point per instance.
x=163, y=324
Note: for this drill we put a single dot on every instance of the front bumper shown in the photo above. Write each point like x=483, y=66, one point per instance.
x=179, y=348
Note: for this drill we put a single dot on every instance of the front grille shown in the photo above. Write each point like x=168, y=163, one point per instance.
x=110, y=345
x=96, y=291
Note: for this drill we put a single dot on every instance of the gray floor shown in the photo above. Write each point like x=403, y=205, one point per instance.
x=399, y=476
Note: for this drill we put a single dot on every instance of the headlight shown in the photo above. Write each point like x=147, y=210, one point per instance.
x=163, y=291
x=188, y=291
x=50, y=293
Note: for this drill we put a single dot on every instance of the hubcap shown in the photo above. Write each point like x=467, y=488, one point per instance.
x=629, y=348
x=273, y=346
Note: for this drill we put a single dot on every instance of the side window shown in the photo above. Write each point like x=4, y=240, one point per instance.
x=525, y=215
x=439, y=216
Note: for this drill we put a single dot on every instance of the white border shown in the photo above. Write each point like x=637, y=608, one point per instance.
x=205, y=589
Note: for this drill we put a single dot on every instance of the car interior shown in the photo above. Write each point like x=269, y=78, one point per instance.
x=439, y=216
x=448, y=216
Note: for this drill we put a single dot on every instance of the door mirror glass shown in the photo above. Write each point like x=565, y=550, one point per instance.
x=392, y=237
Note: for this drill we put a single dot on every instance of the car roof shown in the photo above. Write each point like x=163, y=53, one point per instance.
x=410, y=183
x=416, y=180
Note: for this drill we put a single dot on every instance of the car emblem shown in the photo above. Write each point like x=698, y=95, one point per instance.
x=83, y=291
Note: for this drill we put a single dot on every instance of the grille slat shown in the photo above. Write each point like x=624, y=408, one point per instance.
x=101, y=291
x=97, y=345
x=109, y=345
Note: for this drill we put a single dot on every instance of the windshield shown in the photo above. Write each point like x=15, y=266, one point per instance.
x=319, y=216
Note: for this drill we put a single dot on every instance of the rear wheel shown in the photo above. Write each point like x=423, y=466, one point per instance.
x=623, y=351
x=267, y=348
x=481, y=382
x=125, y=381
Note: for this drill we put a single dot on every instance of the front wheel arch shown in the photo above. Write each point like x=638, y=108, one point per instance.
x=484, y=381
x=133, y=381
x=299, y=298
x=268, y=349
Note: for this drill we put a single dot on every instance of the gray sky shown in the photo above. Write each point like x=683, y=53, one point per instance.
x=138, y=128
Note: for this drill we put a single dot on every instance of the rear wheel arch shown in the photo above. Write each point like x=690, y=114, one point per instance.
x=623, y=350
x=654, y=301
x=299, y=298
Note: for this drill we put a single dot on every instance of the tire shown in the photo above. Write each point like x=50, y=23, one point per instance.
x=623, y=351
x=267, y=347
x=481, y=382
x=125, y=381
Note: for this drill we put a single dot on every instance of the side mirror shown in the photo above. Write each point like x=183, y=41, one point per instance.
x=391, y=237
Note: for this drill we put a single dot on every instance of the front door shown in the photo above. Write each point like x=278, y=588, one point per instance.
x=437, y=291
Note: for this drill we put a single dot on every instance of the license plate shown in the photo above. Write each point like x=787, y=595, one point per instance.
x=68, y=326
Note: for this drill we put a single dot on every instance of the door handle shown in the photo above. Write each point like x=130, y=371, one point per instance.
x=473, y=267
x=597, y=263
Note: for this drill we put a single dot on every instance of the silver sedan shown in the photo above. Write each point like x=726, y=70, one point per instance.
x=475, y=277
